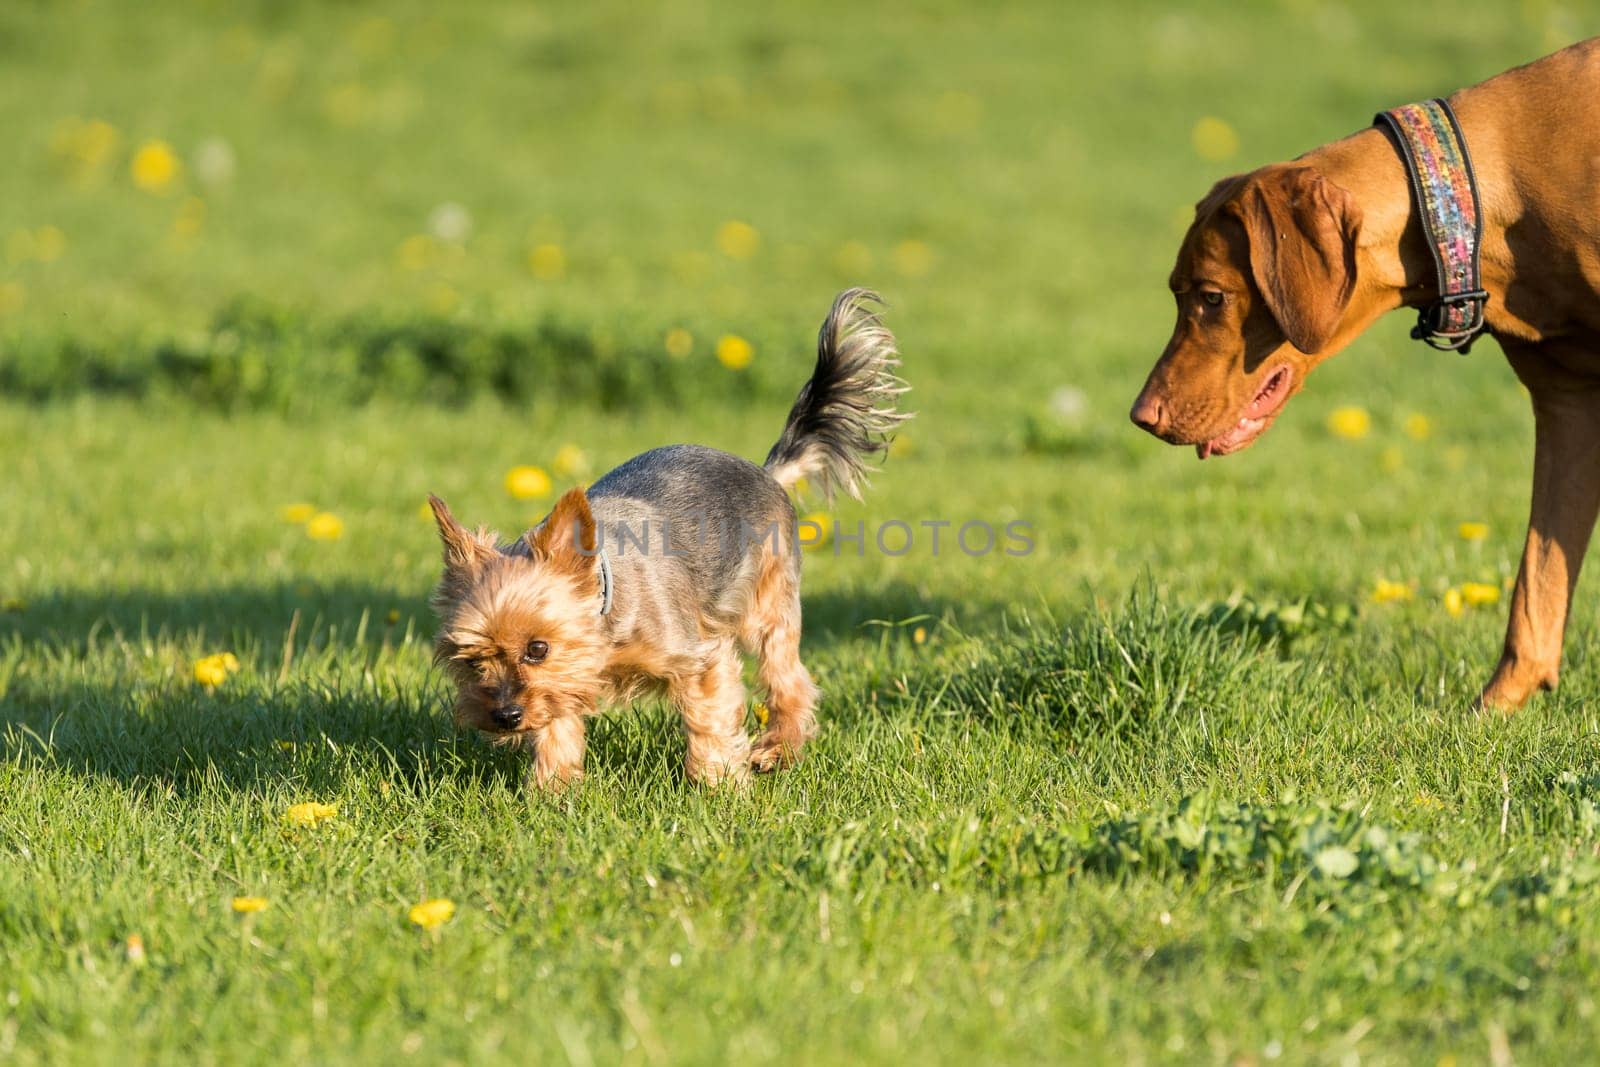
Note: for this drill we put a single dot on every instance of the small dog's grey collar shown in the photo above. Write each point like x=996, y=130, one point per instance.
x=605, y=583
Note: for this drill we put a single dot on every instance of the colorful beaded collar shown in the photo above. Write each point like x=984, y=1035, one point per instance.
x=1435, y=153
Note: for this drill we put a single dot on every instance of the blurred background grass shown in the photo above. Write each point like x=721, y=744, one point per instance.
x=1013, y=176
x=551, y=216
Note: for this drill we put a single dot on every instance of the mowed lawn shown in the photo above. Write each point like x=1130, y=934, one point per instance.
x=1063, y=807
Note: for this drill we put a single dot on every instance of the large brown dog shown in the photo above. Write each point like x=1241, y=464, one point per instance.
x=1284, y=266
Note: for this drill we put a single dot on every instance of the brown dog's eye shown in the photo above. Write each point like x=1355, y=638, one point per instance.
x=535, y=652
x=1212, y=298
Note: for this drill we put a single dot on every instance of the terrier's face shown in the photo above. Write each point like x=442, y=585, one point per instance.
x=519, y=627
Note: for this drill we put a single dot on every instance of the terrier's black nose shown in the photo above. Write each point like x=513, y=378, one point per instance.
x=507, y=716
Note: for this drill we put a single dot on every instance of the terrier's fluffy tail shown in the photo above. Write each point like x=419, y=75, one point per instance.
x=845, y=415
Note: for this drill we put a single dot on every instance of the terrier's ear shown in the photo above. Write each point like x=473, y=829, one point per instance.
x=567, y=537
x=462, y=550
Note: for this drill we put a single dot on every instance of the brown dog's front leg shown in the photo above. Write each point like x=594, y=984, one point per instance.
x=1566, y=494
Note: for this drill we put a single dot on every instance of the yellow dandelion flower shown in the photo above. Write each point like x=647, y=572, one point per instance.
x=547, y=262
x=762, y=712
x=230, y=661
x=570, y=460
x=12, y=297
x=738, y=240
x=1214, y=139
x=913, y=258
x=1453, y=601
x=1477, y=594
x=432, y=914
x=1417, y=427
x=298, y=513
x=96, y=140
x=815, y=529
x=425, y=511
x=678, y=342
x=249, y=905
x=154, y=166
x=325, y=526
x=854, y=258
x=82, y=147
x=734, y=352
x=919, y=635
x=309, y=813
x=1473, y=531
x=1349, y=422
x=210, y=671
x=1388, y=592
x=528, y=483
x=416, y=252
x=391, y=617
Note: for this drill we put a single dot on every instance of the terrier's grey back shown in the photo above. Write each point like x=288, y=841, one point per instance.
x=715, y=509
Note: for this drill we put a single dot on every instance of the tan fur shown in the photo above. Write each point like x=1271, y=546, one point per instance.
x=772, y=633
x=712, y=703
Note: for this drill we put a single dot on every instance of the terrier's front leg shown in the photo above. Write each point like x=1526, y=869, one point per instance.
x=558, y=752
x=712, y=704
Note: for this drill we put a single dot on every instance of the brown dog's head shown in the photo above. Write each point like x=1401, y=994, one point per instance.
x=519, y=626
x=1262, y=281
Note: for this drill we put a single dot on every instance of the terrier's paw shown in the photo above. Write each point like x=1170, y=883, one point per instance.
x=720, y=775
x=554, y=780
x=773, y=753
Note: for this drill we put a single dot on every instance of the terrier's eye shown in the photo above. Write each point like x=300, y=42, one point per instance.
x=535, y=652
x=1212, y=297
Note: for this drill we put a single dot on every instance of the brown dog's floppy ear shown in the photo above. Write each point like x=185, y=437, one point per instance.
x=461, y=549
x=1302, y=231
x=568, y=536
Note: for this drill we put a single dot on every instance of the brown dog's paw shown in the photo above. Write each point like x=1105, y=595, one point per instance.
x=1511, y=687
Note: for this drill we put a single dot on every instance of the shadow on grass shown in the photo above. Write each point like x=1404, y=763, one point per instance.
x=334, y=676
x=298, y=616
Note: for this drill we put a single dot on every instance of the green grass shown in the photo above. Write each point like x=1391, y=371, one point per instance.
x=1079, y=820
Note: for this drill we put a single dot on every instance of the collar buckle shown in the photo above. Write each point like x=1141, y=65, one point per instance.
x=1435, y=329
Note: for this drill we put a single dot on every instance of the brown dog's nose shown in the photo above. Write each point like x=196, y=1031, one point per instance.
x=1149, y=413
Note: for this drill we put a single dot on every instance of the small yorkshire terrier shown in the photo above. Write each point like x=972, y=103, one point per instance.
x=660, y=574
